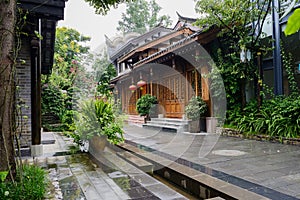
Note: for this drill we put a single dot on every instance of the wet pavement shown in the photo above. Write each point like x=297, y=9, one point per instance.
x=269, y=169
x=95, y=175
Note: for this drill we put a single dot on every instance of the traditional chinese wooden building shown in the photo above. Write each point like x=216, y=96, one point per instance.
x=166, y=63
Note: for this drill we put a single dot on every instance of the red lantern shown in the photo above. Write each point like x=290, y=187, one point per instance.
x=132, y=87
x=141, y=83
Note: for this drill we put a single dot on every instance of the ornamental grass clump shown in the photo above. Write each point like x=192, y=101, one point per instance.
x=277, y=117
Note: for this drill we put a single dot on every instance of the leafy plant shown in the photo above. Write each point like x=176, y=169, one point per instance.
x=3, y=175
x=288, y=63
x=30, y=184
x=68, y=120
x=277, y=117
x=104, y=80
x=52, y=100
x=113, y=132
x=60, y=91
x=234, y=37
x=144, y=104
x=196, y=108
x=293, y=24
x=97, y=117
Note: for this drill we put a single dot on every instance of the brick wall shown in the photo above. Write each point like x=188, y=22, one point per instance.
x=23, y=95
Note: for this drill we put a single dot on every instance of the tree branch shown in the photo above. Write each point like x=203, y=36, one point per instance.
x=222, y=22
x=263, y=21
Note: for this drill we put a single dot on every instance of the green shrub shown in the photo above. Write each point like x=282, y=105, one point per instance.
x=98, y=117
x=68, y=120
x=278, y=117
x=30, y=183
x=52, y=100
x=196, y=108
x=144, y=104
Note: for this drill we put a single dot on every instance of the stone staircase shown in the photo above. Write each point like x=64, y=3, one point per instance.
x=172, y=124
x=136, y=119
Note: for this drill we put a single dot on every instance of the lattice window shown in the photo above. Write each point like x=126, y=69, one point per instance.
x=183, y=87
x=199, y=85
x=177, y=88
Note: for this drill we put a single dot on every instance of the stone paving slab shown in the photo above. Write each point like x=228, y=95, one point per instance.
x=259, y=169
x=47, y=138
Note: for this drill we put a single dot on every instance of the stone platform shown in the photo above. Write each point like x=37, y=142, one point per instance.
x=267, y=169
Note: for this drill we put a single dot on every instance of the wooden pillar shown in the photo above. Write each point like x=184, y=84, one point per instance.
x=186, y=88
x=196, y=82
x=123, y=98
x=205, y=89
x=173, y=63
x=151, y=82
x=197, y=53
x=35, y=93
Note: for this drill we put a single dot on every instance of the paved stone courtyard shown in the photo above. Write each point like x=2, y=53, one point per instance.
x=269, y=169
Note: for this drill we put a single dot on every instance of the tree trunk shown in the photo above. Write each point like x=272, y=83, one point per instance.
x=243, y=92
x=7, y=24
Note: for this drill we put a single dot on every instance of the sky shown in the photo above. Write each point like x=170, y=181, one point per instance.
x=80, y=16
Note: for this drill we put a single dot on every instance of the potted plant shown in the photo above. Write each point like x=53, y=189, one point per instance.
x=145, y=105
x=97, y=123
x=195, y=111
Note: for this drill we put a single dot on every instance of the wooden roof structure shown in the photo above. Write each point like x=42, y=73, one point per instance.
x=183, y=34
x=49, y=12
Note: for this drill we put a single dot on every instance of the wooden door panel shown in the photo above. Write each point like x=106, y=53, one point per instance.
x=174, y=108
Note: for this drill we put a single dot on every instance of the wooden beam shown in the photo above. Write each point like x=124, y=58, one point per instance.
x=164, y=53
x=53, y=9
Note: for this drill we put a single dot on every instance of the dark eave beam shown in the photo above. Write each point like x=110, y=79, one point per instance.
x=51, y=9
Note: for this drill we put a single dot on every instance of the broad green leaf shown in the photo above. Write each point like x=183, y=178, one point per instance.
x=293, y=24
x=3, y=175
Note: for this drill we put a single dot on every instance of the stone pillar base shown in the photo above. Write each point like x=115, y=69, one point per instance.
x=36, y=150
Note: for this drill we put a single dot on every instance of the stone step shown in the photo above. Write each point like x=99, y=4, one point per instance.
x=47, y=138
x=136, y=119
x=174, y=120
x=164, y=127
x=167, y=124
x=45, y=162
x=95, y=183
x=86, y=185
x=136, y=161
x=148, y=187
x=111, y=186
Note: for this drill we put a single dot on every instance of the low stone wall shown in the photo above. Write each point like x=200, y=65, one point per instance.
x=231, y=132
x=236, y=133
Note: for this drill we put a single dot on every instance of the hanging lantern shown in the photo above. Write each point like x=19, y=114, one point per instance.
x=132, y=87
x=243, y=55
x=141, y=83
